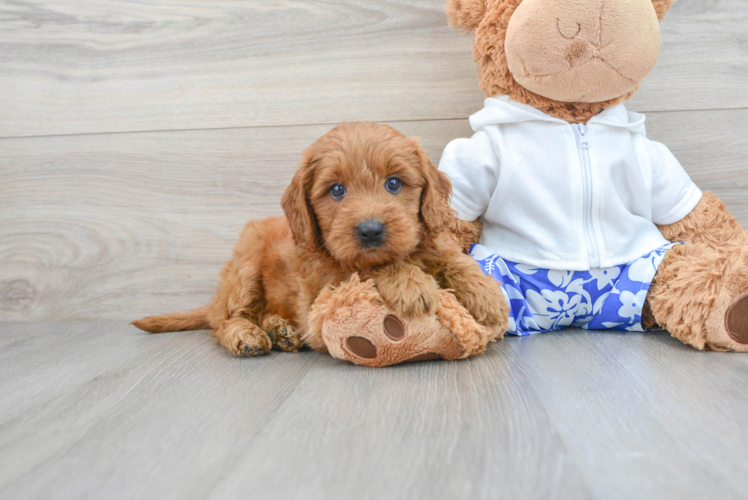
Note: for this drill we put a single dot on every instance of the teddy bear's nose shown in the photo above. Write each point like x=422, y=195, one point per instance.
x=578, y=52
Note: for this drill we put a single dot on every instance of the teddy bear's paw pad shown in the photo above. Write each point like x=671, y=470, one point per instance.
x=394, y=328
x=361, y=347
x=736, y=320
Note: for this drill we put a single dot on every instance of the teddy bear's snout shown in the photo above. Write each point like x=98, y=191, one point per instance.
x=555, y=48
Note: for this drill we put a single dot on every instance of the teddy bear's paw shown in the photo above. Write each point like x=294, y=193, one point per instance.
x=727, y=325
x=369, y=334
x=283, y=336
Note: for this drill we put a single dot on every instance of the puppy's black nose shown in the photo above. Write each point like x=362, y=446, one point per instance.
x=370, y=232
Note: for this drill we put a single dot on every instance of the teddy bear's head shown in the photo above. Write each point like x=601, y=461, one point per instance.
x=569, y=58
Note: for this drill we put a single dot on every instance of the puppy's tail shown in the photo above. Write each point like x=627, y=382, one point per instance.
x=197, y=319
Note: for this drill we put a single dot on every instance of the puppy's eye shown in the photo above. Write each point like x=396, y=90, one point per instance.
x=337, y=191
x=393, y=185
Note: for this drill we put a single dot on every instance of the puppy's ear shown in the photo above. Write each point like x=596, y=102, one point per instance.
x=661, y=7
x=435, y=210
x=465, y=14
x=298, y=207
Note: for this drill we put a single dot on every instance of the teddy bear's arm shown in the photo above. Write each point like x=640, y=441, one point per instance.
x=709, y=223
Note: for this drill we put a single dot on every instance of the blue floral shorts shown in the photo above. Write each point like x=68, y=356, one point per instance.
x=543, y=300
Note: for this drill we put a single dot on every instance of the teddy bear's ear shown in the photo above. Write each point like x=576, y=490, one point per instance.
x=467, y=14
x=661, y=7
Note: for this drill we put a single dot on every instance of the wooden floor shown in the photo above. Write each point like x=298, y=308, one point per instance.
x=100, y=410
x=136, y=139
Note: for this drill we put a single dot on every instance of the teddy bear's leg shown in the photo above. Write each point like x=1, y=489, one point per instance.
x=700, y=295
x=356, y=325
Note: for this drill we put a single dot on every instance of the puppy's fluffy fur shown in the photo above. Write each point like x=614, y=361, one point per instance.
x=281, y=264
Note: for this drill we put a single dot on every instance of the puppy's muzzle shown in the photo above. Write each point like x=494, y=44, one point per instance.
x=370, y=233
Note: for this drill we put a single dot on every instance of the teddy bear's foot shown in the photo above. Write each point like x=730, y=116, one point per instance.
x=727, y=325
x=700, y=295
x=357, y=326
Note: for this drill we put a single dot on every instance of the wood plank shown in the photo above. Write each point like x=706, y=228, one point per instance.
x=123, y=225
x=469, y=430
x=83, y=66
x=644, y=415
x=135, y=223
x=110, y=412
x=181, y=419
x=116, y=413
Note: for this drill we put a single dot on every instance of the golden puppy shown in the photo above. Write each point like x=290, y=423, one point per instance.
x=365, y=199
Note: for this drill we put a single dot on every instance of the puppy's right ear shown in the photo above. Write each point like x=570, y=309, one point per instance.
x=465, y=14
x=298, y=207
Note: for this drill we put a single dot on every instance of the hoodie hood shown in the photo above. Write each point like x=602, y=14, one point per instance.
x=500, y=110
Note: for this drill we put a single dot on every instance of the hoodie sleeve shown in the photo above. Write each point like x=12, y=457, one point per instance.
x=473, y=167
x=674, y=194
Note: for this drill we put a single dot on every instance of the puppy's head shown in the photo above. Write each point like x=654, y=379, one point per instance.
x=366, y=194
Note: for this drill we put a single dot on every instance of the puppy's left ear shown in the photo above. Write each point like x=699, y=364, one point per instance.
x=435, y=210
x=661, y=7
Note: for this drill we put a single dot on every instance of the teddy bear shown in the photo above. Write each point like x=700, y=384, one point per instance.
x=586, y=221
x=583, y=220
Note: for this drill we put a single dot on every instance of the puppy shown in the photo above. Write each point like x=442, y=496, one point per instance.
x=365, y=200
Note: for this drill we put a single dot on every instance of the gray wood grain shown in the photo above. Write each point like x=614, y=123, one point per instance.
x=72, y=66
x=101, y=410
x=649, y=398
x=123, y=225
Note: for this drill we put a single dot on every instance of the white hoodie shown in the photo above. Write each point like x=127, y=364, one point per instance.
x=570, y=197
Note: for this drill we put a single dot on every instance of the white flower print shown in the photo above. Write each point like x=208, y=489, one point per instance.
x=611, y=324
x=512, y=325
x=560, y=278
x=524, y=269
x=632, y=304
x=552, y=309
x=600, y=302
x=605, y=277
x=512, y=292
x=644, y=269
x=479, y=252
x=577, y=287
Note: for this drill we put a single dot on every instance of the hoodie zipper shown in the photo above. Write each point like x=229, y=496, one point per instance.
x=580, y=131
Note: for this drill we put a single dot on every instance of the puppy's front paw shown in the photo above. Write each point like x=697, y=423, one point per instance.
x=484, y=299
x=412, y=298
x=241, y=337
x=283, y=336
